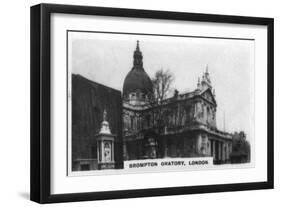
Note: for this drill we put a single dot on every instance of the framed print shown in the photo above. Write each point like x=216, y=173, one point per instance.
x=132, y=103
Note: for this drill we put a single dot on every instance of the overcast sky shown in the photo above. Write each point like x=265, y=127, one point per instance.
x=107, y=58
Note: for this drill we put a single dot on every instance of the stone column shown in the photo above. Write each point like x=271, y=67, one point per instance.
x=214, y=149
x=98, y=154
x=219, y=151
x=112, y=151
x=209, y=146
x=223, y=151
x=227, y=152
x=102, y=154
x=125, y=152
x=198, y=144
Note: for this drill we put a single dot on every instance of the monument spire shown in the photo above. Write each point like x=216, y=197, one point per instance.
x=105, y=125
x=198, y=83
x=138, y=57
x=138, y=47
x=104, y=115
x=206, y=80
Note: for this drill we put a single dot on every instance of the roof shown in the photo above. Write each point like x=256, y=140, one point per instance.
x=137, y=80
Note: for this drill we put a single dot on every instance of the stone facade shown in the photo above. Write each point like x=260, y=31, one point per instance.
x=181, y=126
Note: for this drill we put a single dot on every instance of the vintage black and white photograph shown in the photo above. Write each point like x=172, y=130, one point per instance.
x=132, y=103
x=156, y=103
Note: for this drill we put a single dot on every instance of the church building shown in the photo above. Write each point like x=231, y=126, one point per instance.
x=183, y=125
x=110, y=126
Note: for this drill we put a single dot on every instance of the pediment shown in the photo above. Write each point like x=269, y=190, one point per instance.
x=209, y=96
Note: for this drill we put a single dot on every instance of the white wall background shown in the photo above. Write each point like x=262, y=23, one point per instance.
x=14, y=104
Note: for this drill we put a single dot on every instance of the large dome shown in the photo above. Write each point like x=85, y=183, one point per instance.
x=137, y=79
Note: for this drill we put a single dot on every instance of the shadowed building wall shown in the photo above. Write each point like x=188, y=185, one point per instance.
x=89, y=100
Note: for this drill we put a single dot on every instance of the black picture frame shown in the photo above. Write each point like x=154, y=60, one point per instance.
x=41, y=102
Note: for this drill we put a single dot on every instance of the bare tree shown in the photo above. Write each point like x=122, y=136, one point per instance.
x=162, y=82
